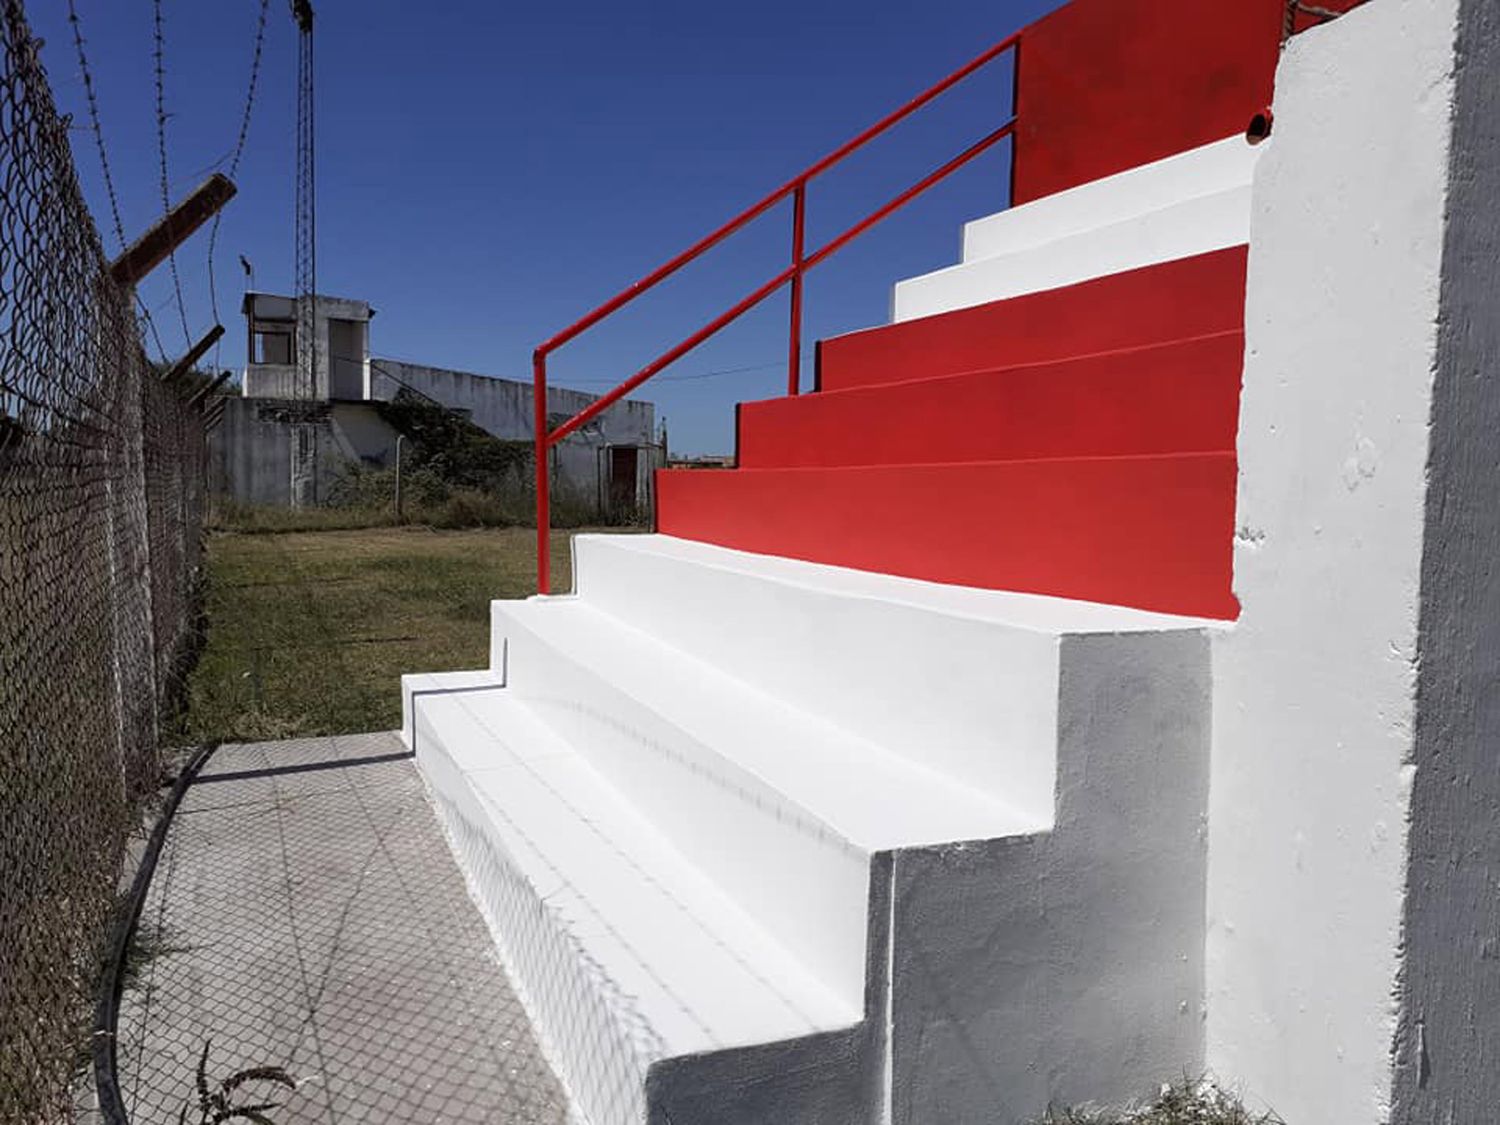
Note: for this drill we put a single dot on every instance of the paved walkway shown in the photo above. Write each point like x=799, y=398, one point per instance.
x=306, y=913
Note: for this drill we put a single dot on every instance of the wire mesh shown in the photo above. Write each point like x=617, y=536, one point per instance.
x=306, y=915
x=101, y=500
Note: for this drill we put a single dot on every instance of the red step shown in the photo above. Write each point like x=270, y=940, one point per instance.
x=1196, y=296
x=1167, y=398
x=1153, y=532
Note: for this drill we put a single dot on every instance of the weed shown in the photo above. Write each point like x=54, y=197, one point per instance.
x=1187, y=1103
x=148, y=942
x=217, y=1105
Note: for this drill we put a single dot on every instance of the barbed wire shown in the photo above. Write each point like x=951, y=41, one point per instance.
x=238, y=153
x=159, y=57
x=94, y=122
x=97, y=128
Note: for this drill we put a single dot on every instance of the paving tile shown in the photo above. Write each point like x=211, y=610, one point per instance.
x=306, y=913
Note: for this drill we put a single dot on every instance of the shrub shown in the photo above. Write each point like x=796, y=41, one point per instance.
x=1189, y=1103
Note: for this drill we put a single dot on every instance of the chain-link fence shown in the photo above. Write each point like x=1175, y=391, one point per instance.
x=101, y=496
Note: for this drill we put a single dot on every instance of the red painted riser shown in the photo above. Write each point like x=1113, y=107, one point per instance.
x=1194, y=296
x=1179, y=397
x=1152, y=532
x=1108, y=85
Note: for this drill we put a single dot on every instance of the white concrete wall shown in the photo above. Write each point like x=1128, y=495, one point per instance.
x=503, y=407
x=1066, y=968
x=250, y=451
x=1314, y=690
x=1448, y=1043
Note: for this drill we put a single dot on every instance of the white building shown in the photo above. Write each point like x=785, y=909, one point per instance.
x=260, y=452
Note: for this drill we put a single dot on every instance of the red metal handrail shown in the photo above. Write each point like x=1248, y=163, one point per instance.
x=801, y=262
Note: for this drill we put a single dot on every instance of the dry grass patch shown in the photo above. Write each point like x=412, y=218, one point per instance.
x=308, y=633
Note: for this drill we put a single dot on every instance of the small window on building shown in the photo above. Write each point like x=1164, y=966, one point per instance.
x=273, y=341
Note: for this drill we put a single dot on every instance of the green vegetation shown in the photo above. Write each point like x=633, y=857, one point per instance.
x=1190, y=1103
x=308, y=633
x=453, y=474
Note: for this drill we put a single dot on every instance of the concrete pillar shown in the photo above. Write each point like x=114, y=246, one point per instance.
x=1353, y=969
x=1448, y=1042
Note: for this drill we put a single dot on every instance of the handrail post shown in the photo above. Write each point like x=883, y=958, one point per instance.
x=799, y=230
x=543, y=483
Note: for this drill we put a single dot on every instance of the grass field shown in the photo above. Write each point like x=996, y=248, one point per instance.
x=309, y=632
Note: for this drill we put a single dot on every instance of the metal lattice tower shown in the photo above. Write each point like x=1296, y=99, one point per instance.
x=305, y=437
x=306, y=222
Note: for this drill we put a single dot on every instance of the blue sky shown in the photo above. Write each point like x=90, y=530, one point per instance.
x=488, y=172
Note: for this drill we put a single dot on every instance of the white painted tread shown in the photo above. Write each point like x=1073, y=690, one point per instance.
x=1220, y=166
x=862, y=792
x=1193, y=226
x=1039, y=613
x=963, y=681
x=415, y=684
x=694, y=966
x=1191, y=203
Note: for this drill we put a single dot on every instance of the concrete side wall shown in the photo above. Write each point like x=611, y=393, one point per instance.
x=503, y=407
x=249, y=460
x=1314, y=700
x=252, y=454
x=250, y=451
x=1067, y=967
x=837, y=1078
x=271, y=380
x=1448, y=1062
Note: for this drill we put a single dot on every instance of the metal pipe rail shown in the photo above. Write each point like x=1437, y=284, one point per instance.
x=801, y=262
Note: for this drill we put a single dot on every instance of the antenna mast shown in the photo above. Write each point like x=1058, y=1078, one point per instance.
x=307, y=240
x=304, y=467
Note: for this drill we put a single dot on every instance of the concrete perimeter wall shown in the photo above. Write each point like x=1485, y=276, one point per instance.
x=250, y=450
x=1354, y=861
x=503, y=407
x=1448, y=1038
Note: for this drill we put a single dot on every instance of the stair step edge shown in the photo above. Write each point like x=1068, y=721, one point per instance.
x=707, y=976
x=865, y=794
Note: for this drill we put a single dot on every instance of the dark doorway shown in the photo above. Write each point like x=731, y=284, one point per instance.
x=622, y=478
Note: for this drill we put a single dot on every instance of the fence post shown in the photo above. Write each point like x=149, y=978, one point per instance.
x=400, y=438
x=543, y=483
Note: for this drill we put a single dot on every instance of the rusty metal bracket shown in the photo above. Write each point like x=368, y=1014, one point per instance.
x=172, y=230
x=194, y=354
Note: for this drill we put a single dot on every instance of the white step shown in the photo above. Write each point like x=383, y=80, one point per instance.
x=1211, y=169
x=1176, y=208
x=626, y=951
x=781, y=807
x=416, y=684
x=723, y=818
x=963, y=681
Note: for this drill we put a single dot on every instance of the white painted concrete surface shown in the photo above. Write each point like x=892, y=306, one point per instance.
x=679, y=967
x=1188, y=204
x=962, y=681
x=436, y=683
x=1314, y=690
x=704, y=741
x=1008, y=851
x=1448, y=1037
x=1066, y=968
x=1223, y=166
